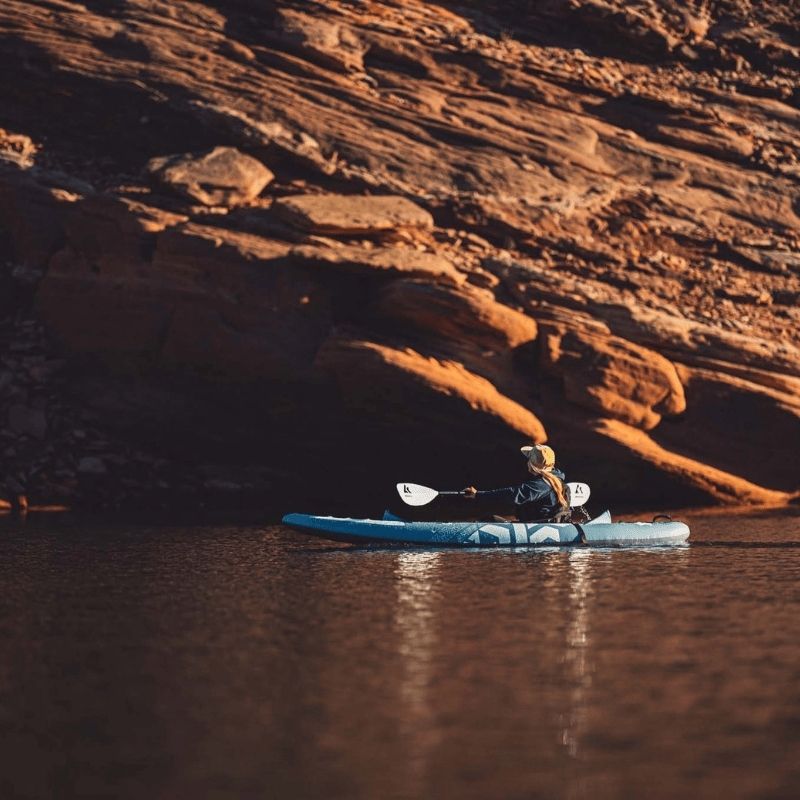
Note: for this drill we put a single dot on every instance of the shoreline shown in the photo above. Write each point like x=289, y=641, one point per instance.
x=212, y=517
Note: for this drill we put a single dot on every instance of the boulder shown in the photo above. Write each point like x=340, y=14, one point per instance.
x=611, y=376
x=391, y=261
x=290, y=142
x=466, y=314
x=350, y=215
x=222, y=177
x=329, y=44
x=17, y=148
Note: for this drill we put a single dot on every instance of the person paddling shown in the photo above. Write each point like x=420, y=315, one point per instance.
x=541, y=498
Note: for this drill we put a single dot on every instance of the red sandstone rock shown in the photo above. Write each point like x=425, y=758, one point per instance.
x=715, y=484
x=90, y=316
x=17, y=148
x=740, y=425
x=352, y=215
x=333, y=45
x=393, y=261
x=641, y=213
x=611, y=376
x=222, y=177
x=31, y=213
x=111, y=236
x=212, y=259
x=398, y=382
x=464, y=314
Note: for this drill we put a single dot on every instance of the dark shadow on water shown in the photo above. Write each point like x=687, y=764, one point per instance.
x=748, y=545
x=457, y=548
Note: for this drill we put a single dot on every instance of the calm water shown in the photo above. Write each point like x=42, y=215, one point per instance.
x=238, y=662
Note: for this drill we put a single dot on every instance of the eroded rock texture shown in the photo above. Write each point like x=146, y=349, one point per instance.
x=337, y=244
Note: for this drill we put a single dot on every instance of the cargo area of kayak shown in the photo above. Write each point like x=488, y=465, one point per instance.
x=601, y=531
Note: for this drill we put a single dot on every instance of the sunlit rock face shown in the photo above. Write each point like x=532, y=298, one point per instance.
x=378, y=241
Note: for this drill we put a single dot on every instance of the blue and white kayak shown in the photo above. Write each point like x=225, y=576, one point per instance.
x=598, y=532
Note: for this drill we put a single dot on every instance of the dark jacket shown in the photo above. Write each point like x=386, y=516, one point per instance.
x=533, y=500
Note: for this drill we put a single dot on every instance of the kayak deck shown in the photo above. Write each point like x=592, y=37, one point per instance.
x=599, y=532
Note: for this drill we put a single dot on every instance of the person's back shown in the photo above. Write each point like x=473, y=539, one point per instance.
x=535, y=499
x=542, y=497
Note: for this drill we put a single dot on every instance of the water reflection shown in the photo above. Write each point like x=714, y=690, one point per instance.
x=243, y=663
x=576, y=654
x=415, y=623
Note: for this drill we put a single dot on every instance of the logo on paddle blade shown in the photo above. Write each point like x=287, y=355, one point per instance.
x=406, y=490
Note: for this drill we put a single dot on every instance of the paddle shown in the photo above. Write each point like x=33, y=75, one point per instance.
x=413, y=494
x=578, y=494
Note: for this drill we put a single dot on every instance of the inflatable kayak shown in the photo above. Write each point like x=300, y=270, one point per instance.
x=598, y=532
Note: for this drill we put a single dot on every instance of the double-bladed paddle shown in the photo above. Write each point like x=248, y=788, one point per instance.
x=413, y=494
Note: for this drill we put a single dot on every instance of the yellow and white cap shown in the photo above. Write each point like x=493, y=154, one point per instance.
x=539, y=455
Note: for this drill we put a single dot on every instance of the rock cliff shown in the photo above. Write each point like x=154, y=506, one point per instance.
x=280, y=250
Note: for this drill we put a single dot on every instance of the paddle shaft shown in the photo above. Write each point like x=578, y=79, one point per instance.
x=413, y=494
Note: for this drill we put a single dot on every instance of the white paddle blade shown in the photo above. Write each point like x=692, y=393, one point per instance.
x=578, y=494
x=413, y=494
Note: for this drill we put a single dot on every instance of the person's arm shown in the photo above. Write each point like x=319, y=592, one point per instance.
x=506, y=494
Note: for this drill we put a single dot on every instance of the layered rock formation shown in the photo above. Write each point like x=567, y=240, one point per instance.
x=332, y=245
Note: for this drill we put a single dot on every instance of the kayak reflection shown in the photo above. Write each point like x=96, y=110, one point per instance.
x=416, y=574
x=577, y=648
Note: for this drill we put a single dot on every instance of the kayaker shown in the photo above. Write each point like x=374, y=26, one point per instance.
x=541, y=498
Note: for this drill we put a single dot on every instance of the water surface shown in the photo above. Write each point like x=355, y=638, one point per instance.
x=238, y=661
